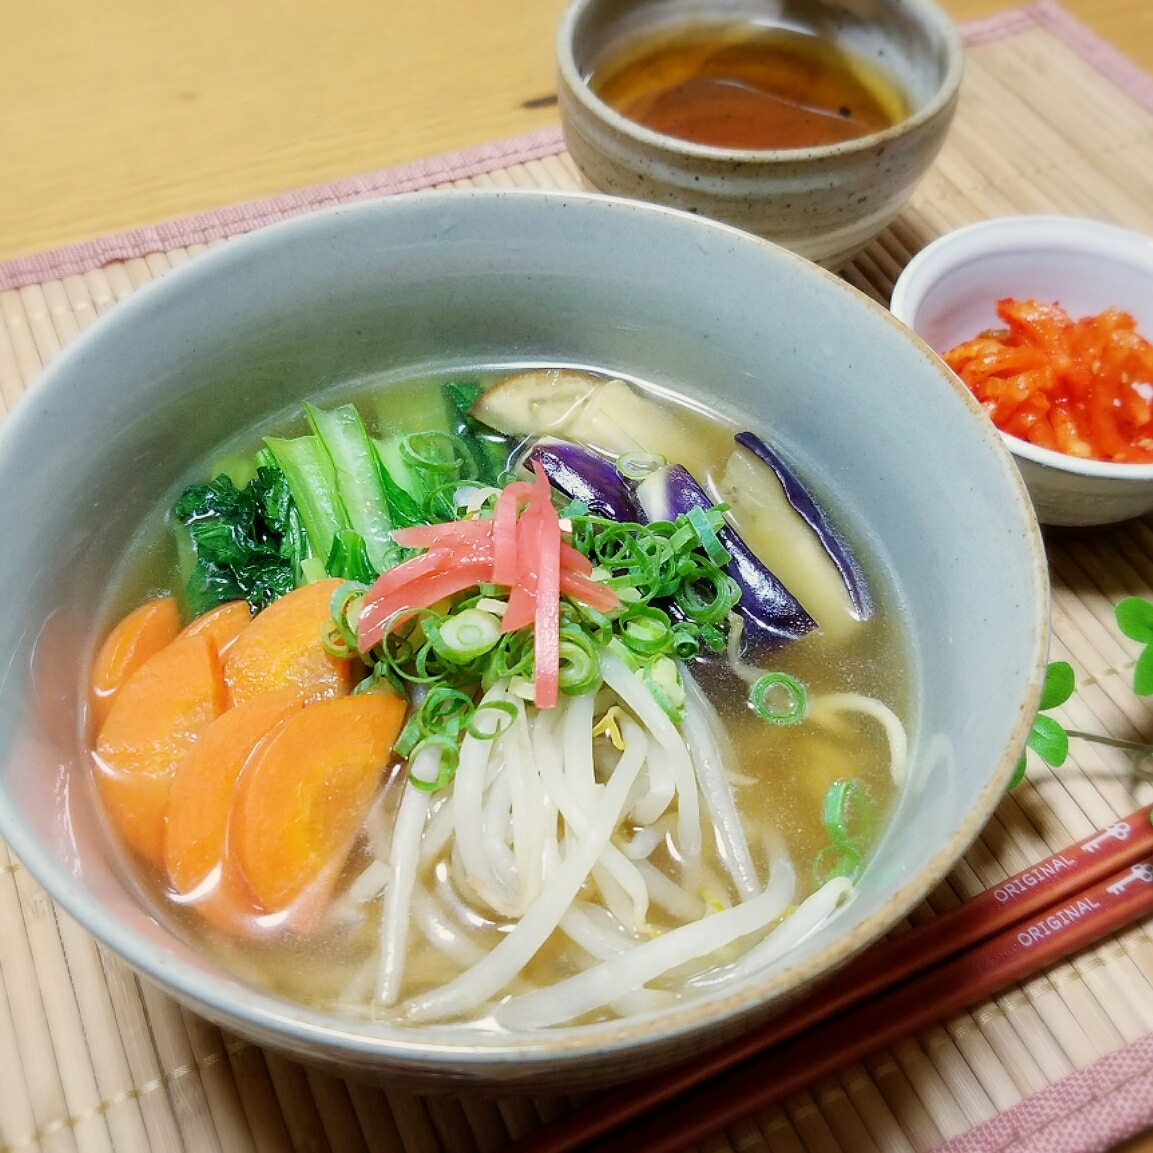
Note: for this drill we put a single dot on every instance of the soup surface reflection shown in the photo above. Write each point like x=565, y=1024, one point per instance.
x=419, y=813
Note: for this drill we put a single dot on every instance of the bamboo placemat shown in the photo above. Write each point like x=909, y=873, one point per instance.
x=93, y=1060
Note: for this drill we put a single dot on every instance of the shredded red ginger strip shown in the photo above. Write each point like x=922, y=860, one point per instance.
x=1080, y=387
x=521, y=609
x=546, y=624
x=522, y=550
x=416, y=594
x=575, y=561
x=504, y=526
x=592, y=593
x=439, y=535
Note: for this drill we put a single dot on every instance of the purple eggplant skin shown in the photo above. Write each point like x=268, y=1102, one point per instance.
x=588, y=477
x=813, y=515
x=773, y=616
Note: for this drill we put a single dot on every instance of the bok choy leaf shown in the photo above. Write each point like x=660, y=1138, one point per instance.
x=247, y=544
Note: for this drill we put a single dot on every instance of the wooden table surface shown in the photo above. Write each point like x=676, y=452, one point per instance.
x=126, y=112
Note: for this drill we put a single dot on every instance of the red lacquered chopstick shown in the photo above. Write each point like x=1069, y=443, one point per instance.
x=887, y=963
x=1013, y=954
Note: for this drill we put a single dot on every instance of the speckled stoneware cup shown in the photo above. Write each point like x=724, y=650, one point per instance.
x=824, y=203
x=132, y=409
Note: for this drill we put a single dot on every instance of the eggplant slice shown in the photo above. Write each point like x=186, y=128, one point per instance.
x=773, y=617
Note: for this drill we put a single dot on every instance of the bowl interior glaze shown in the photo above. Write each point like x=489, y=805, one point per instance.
x=483, y=277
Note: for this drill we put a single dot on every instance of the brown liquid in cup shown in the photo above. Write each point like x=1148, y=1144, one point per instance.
x=747, y=87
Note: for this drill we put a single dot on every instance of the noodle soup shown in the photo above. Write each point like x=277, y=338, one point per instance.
x=525, y=729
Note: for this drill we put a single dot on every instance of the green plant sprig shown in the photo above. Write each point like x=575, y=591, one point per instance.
x=1135, y=619
x=1050, y=740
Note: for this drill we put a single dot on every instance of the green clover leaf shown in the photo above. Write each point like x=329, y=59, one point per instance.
x=1135, y=619
x=1143, y=673
x=1047, y=738
x=1049, y=741
x=1059, y=684
x=1018, y=773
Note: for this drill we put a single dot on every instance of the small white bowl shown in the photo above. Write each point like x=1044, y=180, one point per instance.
x=948, y=293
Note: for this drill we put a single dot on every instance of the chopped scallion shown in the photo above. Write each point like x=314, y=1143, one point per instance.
x=836, y=861
x=779, y=698
x=466, y=635
x=847, y=813
x=580, y=667
x=646, y=630
x=638, y=465
x=503, y=708
x=707, y=535
x=663, y=679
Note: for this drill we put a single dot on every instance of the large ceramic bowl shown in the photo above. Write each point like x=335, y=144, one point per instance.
x=454, y=279
x=825, y=202
x=949, y=291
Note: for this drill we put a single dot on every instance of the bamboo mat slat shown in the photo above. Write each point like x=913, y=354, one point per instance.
x=94, y=1060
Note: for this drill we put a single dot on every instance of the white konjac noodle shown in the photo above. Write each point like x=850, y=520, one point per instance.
x=541, y=834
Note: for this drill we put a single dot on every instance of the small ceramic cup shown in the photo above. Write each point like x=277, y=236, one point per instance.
x=825, y=203
x=948, y=293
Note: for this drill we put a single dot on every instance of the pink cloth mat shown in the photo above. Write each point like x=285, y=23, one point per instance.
x=1088, y=1111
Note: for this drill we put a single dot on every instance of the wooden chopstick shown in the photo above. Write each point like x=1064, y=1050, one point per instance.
x=1048, y=885
x=940, y=992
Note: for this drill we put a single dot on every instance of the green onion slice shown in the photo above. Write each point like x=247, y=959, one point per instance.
x=707, y=535
x=686, y=642
x=638, y=465
x=344, y=607
x=646, y=630
x=512, y=657
x=444, y=704
x=449, y=758
x=580, y=667
x=465, y=635
x=334, y=642
x=663, y=679
x=706, y=594
x=847, y=805
x=837, y=861
x=504, y=708
x=432, y=451
x=779, y=698
x=714, y=638
x=408, y=738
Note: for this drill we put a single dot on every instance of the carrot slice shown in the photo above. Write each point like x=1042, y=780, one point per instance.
x=201, y=799
x=282, y=649
x=223, y=624
x=305, y=793
x=140, y=635
x=157, y=715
